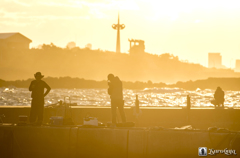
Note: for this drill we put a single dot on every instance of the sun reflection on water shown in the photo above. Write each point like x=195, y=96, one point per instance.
x=165, y=97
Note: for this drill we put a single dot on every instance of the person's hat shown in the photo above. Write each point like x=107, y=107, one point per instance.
x=38, y=74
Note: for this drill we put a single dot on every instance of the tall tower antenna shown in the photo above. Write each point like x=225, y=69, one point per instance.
x=118, y=27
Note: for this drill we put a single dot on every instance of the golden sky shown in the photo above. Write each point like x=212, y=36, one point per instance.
x=186, y=28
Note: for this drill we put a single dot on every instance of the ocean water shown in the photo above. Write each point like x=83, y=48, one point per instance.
x=164, y=97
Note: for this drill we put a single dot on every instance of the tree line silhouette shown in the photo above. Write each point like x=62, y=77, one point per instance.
x=96, y=64
x=68, y=82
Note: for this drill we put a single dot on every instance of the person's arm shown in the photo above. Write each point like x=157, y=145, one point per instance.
x=48, y=89
x=215, y=95
x=110, y=88
x=31, y=87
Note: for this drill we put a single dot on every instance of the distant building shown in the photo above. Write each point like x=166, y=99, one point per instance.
x=237, y=67
x=137, y=48
x=14, y=41
x=215, y=60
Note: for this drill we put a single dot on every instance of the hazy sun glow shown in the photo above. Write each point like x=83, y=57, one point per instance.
x=186, y=28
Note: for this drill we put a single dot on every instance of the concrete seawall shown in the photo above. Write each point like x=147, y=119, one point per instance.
x=78, y=142
x=165, y=117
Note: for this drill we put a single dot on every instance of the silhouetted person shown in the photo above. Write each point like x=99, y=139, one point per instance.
x=116, y=95
x=219, y=97
x=203, y=151
x=37, y=106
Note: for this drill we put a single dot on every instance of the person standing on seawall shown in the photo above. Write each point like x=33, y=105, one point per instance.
x=116, y=95
x=37, y=106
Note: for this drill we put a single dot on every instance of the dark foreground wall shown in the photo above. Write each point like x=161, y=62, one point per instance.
x=149, y=117
x=78, y=142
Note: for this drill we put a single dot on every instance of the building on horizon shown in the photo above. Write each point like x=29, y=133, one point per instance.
x=215, y=60
x=137, y=48
x=14, y=40
x=237, y=66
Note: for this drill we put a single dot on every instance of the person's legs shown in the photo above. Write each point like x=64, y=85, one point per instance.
x=33, y=111
x=114, y=111
x=217, y=103
x=121, y=110
x=40, y=111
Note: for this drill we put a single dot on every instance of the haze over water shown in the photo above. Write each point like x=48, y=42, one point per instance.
x=188, y=30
